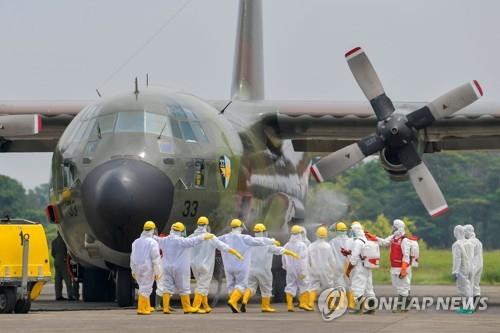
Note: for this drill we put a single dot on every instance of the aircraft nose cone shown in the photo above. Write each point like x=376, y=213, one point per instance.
x=120, y=195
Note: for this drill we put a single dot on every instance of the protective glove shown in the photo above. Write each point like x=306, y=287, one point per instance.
x=291, y=254
x=301, y=277
x=370, y=236
x=235, y=253
x=345, y=252
x=403, y=273
x=208, y=236
x=348, y=270
x=157, y=277
x=454, y=276
x=133, y=276
x=277, y=243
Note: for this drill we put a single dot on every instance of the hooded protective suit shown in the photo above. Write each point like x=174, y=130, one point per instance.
x=461, y=262
x=297, y=270
x=477, y=260
x=303, y=236
x=203, y=259
x=176, y=275
x=260, y=267
x=361, y=277
x=400, y=257
x=237, y=270
x=322, y=265
x=340, y=241
x=145, y=262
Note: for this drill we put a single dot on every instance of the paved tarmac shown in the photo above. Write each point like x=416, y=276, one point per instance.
x=50, y=316
x=221, y=320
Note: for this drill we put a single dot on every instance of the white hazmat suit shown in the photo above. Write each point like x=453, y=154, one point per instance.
x=145, y=262
x=203, y=260
x=297, y=272
x=237, y=270
x=361, y=277
x=476, y=268
x=322, y=265
x=176, y=275
x=260, y=268
x=461, y=262
x=340, y=241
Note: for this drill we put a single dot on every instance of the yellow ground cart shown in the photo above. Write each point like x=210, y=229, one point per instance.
x=24, y=264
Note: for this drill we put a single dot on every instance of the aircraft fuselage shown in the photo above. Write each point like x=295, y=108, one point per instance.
x=168, y=157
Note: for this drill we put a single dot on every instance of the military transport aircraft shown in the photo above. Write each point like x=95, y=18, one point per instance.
x=162, y=155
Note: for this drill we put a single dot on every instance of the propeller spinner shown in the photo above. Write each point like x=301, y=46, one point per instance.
x=396, y=132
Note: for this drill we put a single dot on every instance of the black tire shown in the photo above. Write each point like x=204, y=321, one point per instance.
x=98, y=286
x=279, y=280
x=22, y=306
x=7, y=299
x=125, y=290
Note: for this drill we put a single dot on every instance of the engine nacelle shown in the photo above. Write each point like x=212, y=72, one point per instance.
x=393, y=166
x=20, y=125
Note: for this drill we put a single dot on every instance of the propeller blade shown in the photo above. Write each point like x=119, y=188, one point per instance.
x=446, y=104
x=341, y=160
x=427, y=189
x=368, y=81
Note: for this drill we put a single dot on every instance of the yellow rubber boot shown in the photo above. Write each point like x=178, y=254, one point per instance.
x=351, y=302
x=312, y=298
x=206, y=307
x=198, y=298
x=266, y=304
x=186, y=304
x=304, y=301
x=233, y=300
x=289, y=302
x=244, y=301
x=143, y=305
x=151, y=309
x=166, y=303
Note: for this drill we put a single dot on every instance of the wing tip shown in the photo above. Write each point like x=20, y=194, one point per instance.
x=353, y=52
x=316, y=174
x=439, y=211
x=477, y=88
x=38, y=124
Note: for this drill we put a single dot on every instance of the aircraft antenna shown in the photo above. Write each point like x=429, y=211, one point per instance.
x=147, y=80
x=136, y=89
x=98, y=93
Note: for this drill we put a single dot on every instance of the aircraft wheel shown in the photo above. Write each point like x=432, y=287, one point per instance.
x=7, y=299
x=97, y=285
x=125, y=291
x=22, y=306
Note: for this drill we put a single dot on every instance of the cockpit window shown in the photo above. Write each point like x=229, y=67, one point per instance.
x=106, y=123
x=130, y=122
x=176, y=130
x=199, y=132
x=178, y=112
x=187, y=131
x=143, y=122
x=157, y=124
x=185, y=125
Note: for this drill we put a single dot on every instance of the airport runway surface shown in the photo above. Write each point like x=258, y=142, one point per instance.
x=53, y=317
x=221, y=320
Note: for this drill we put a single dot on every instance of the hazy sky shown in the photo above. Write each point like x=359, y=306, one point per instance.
x=67, y=49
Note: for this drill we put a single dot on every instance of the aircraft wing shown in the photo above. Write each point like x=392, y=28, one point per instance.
x=330, y=126
x=35, y=126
